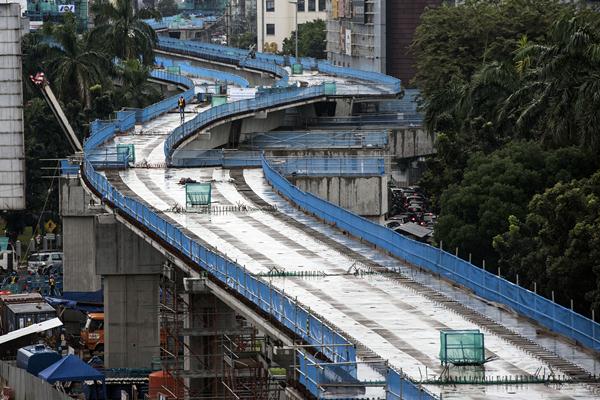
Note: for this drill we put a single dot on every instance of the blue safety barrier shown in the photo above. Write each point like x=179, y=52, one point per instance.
x=293, y=140
x=186, y=67
x=328, y=166
x=187, y=129
x=68, y=169
x=484, y=284
x=229, y=54
x=216, y=157
x=400, y=387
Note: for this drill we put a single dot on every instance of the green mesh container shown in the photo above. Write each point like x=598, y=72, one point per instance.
x=197, y=194
x=126, y=150
x=462, y=347
x=297, y=69
x=330, y=88
x=218, y=99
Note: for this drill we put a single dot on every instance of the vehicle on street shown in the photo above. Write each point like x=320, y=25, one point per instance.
x=41, y=262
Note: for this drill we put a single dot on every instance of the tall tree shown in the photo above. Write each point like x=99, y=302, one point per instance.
x=136, y=90
x=311, y=40
x=497, y=185
x=71, y=63
x=123, y=31
x=559, y=97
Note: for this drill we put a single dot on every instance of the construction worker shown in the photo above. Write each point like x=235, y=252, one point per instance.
x=52, y=284
x=14, y=278
x=181, y=106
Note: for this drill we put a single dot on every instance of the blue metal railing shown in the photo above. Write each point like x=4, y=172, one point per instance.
x=266, y=61
x=484, y=284
x=292, y=140
x=328, y=166
x=186, y=67
x=203, y=119
x=216, y=157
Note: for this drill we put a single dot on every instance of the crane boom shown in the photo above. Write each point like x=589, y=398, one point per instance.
x=41, y=82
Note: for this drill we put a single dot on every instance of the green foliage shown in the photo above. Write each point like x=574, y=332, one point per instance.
x=136, y=91
x=497, y=185
x=244, y=40
x=72, y=65
x=311, y=40
x=558, y=244
x=122, y=31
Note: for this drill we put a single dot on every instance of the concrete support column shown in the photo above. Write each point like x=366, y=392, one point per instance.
x=131, y=331
x=131, y=270
x=79, y=270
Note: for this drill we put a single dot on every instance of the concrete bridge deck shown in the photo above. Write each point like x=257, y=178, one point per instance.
x=389, y=315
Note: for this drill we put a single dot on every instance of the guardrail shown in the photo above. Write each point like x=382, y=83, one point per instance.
x=484, y=284
x=328, y=166
x=217, y=157
x=222, y=54
x=233, y=54
x=184, y=66
x=292, y=94
x=298, y=140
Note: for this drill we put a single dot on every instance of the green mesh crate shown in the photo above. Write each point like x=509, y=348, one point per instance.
x=126, y=150
x=462, y=347
x=218, y=99
x=330, y=88
x=297, y=69
x=197, y=194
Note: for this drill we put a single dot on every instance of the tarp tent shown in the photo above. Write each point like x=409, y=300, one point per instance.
x=70, y=368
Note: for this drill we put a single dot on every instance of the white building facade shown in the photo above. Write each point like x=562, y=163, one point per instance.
x=276, y=20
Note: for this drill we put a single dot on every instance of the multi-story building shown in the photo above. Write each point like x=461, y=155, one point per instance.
x=276, y=19
x=39, y=11
x=374, y=35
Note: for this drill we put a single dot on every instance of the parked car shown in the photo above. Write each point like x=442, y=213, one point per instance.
x=40, y=262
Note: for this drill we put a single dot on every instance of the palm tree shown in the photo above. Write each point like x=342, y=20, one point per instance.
x=72, y=65
x=136, y=90
x=560, y=95
x=123, y=31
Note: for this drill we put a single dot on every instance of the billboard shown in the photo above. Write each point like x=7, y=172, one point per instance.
x=63, y=8
x=12, y=149
x=348, y=42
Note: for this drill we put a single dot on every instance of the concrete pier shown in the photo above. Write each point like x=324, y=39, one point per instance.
x=131, y=273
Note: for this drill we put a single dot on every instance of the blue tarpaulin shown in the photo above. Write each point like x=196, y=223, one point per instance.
x=70, y=368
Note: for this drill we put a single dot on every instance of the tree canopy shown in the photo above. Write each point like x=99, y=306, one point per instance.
x=511, y=89
x=311, y=40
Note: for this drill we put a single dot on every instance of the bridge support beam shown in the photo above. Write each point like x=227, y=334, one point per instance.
x=131, y=271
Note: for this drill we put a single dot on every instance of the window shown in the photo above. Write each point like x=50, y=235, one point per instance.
x=321, y=5
x=270, y=29
x=311, y=5
x=270, y=5
x=300, y=5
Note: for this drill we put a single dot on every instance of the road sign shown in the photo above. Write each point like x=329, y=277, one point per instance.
x=50, y=226
x=64, y=8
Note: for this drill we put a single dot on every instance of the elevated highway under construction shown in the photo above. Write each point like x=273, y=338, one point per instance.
x=265, y=290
